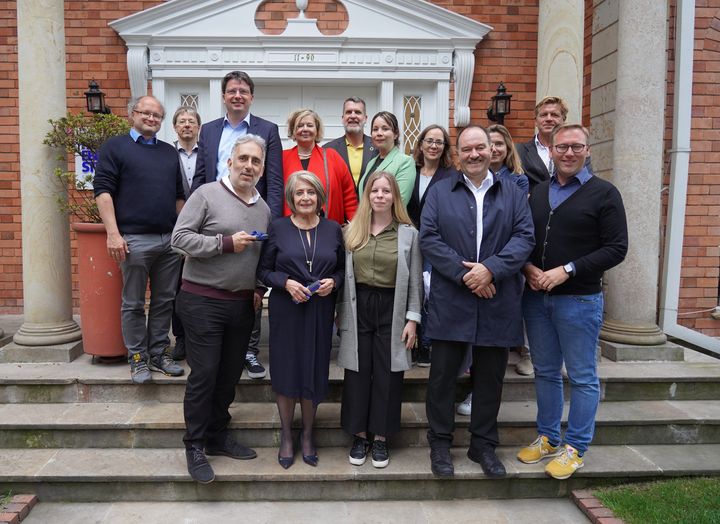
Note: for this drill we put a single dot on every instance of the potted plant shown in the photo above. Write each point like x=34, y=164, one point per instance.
x=100, y=279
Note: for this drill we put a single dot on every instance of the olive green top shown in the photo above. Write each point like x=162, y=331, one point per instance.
x=376, y=262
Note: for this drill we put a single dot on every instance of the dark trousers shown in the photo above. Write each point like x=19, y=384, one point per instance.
x=372, y=396
x=217, y=334
x=487, y=374
x=177, y=326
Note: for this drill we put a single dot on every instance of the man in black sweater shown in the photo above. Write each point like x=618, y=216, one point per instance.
x=580, y=232
x=139, y=192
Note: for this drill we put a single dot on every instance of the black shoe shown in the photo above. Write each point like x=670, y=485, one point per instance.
x=380, y=457
x=166, y=365
x=286, y=462
x=489, y=462
x=254, y=368
x=178, y=352
x=441, y=462
x=139, y=372
x=423, y=360
x=359, y=451
x=198, y=466
x=229, y=447
x=310, y=460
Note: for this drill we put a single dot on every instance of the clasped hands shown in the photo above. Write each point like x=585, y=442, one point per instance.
x=479, y=280
x=300, y=293
x=540, y=280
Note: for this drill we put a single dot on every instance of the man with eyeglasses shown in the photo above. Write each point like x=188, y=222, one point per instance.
x=580, y=232
x=535, y=155
x=186, y=122
x=216, y=141
x=355, y=147
x=139, y=193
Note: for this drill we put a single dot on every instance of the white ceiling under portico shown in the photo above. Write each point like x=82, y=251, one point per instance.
x=384, y=40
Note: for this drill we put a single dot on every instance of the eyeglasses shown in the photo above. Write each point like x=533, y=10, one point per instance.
x=430, y=142
x=576, y=148
x=241, y=92
x=189, y=121
x=149, y=114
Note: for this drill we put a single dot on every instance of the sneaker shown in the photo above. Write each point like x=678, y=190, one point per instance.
x=166, y=365
x=139, y=372
x=254, y=368
x=465, y=407
x=380, y=457
x=538, y=450
x=198, y=466
x=423, y=360
x=524, y=366
x=563, y=466
x=359, y=451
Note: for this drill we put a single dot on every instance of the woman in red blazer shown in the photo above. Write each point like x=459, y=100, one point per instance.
x=305, y=127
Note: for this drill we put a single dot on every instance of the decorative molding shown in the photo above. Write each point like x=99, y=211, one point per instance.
x=464, y=68
x=137, y=62
x=387, y=94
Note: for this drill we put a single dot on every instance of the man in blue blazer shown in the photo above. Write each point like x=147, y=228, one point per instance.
x=535, y=156
x=216, y=142
x=217, y=138
x=355, y=147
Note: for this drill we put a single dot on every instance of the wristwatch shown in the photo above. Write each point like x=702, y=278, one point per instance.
x=569, y=269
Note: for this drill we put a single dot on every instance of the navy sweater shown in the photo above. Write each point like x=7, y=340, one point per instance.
x=588, y=229
x=144, y=182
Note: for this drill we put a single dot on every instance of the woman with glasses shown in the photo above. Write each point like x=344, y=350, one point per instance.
x=385, y=133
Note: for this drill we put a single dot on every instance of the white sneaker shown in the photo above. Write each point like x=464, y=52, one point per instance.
x=465, y=407
x=524, y=366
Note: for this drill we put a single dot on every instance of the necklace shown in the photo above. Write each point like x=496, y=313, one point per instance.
x=303, y=155
x=309, y=261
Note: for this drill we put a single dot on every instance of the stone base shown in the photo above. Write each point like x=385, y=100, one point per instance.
x=631, y=352
x=4, y=338
x=14, y=352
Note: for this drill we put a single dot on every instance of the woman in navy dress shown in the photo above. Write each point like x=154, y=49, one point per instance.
x=301, y=249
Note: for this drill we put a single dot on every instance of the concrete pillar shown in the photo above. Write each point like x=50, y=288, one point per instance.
x=631, y=299
x=47, y=289
x=560, y=53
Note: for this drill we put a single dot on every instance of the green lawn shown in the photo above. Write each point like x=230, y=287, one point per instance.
x=681, y=501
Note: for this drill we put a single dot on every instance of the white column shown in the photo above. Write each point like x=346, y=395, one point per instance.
x=631, y=302
x=560, y=53
x=47, y=289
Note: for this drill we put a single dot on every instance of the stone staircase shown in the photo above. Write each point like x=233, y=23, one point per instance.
x=82, y=432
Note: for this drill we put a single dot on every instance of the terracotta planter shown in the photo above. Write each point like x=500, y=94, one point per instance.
x=100, y=293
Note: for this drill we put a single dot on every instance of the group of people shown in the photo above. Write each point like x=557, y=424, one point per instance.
x=394, y=252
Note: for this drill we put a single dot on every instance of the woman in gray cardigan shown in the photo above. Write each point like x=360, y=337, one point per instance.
x=378, y=315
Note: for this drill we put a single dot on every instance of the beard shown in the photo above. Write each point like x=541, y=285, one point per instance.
x=353, y=128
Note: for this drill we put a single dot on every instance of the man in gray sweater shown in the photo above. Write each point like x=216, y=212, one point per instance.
x=218, y=299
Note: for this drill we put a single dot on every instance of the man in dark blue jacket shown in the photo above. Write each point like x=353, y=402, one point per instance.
x=477, y=233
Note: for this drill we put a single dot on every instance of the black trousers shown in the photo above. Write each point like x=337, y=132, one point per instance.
x=487, y=374
x=372, y=396
x=217, y=334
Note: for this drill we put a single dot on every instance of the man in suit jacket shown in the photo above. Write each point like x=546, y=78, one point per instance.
x=535, y=155
x=355, y=147
x=218, y=137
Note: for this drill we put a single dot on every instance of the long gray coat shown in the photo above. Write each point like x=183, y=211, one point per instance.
x=406, y=306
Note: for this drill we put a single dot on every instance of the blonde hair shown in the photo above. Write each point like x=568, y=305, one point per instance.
x=309, y=178
x=553, y=100
x=297, y=115
x=357, y=233
x=512, y=159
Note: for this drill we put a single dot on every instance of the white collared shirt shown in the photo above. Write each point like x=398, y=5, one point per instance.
x=544, y=153
x=226, y=182
x=479, y=194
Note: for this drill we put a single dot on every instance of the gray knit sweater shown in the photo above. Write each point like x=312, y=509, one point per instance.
x=210, y=216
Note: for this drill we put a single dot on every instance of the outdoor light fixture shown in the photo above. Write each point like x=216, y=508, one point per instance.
x=95, y=99
x=500, y=105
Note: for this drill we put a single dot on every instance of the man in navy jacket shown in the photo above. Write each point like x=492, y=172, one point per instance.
x=477, y=233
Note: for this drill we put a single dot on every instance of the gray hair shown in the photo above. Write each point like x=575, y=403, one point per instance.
x=249, y=137
x=308, y=178
x=189, y=110
x=135, y=101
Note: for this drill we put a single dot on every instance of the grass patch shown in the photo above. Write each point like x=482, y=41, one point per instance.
x=680, y=500
x=5, y=499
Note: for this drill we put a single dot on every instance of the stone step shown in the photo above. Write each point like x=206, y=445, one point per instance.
x=104, y=475
x=161, y=425
x=81, y=381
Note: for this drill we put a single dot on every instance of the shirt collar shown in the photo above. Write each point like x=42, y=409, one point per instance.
x=177, y=146
x=540, y=144
x=226, y=182
x=581, y=176
x=134, y=134
x=246, y=120
x=487, y=181
x=349, y=144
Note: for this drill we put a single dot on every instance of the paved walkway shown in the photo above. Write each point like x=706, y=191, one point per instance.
x=535, y=511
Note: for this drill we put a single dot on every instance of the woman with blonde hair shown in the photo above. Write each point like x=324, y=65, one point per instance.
x=377, y=316
x=505, y=160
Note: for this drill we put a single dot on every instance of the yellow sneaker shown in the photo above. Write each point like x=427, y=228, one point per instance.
x=537, y=451
x=565, y=465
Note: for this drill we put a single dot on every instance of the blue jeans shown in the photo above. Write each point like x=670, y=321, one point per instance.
x=565, y=328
